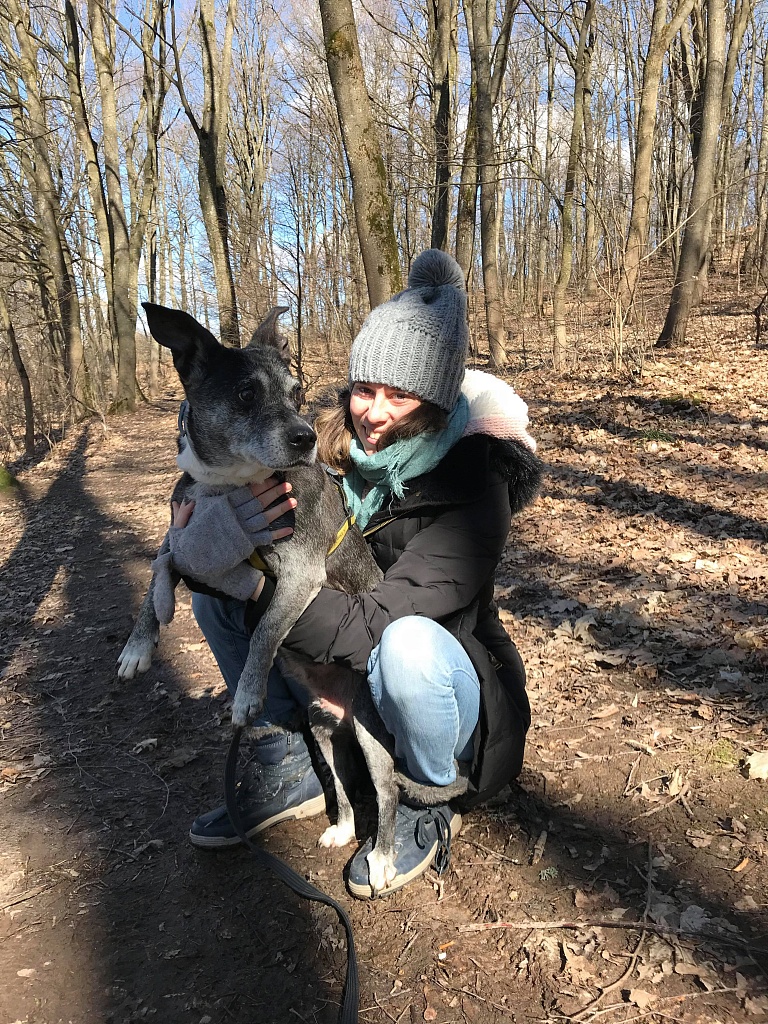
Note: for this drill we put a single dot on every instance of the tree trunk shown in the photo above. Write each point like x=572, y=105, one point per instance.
x=370, y=190
x=29, y=410
x=211, y=133
x=488, y=76
x=662, y=34
x=37, y=167
x=694, y=250
x=546, y=175
x=466, y=209
x=443, y=51
x=581, y=63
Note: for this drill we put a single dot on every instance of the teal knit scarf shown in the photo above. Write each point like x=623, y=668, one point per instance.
x=388, y=470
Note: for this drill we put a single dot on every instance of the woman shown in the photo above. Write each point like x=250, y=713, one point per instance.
x=435, y=463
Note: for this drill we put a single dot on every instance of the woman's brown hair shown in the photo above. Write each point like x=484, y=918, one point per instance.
x=335, y=431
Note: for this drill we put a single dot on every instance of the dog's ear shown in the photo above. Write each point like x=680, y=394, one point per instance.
x=267, y=333
x=181, y=333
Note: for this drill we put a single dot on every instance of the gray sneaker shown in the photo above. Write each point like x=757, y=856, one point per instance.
x=284, y=789
x=422, y=837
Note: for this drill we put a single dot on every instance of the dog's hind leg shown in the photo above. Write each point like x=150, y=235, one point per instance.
x=378, y=749
x=335, y=748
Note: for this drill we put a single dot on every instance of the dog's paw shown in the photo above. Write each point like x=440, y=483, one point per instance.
x=135, y=658
x=381, y=871
x=337, y=835
x=245, y=708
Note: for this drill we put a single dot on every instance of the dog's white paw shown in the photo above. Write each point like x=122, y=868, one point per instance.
x=245, y=708
x=381, y=871
x=135, y=657
x=337, y=835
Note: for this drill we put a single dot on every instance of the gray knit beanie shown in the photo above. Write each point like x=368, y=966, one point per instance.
x=418, y=340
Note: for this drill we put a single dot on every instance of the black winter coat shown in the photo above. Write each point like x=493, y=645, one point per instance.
x=439, y=548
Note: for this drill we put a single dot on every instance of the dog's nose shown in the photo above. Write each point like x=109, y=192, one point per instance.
x=303, y=438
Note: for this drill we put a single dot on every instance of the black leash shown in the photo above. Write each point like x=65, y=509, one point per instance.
x=351, y=995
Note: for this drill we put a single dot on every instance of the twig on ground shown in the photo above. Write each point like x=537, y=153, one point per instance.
x=486, y=849
x=28, y=895
x=636, y=926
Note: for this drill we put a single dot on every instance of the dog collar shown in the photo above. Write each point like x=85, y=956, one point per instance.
x=182, y=421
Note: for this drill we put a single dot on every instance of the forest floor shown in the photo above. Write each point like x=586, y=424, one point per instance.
x=623, y=878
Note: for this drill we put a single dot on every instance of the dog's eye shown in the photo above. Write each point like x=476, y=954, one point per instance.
x=246, y=396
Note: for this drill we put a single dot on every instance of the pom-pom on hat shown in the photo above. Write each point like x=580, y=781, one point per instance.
x=418, y=340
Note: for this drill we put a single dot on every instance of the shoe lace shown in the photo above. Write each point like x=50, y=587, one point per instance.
x=443, y=831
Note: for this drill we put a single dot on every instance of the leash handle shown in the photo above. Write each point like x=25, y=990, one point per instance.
x=348, y=1012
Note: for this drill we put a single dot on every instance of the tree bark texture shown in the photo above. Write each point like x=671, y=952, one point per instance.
x=26, y=389
x=662, y=34
x=370, y=190
x=581, y=63
x=695, y=244
x=443, y=51
x=488, y=75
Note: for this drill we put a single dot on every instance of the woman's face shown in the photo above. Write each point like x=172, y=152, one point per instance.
x=375, y=408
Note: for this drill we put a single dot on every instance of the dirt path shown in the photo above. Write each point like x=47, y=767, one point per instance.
x=635, y=589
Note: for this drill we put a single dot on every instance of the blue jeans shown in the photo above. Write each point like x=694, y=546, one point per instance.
x=422, y=683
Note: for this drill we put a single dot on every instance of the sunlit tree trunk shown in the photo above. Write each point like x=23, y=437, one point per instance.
x=488, y=75
x=33, y=136
x=662, y=34
x=370, y=190
x=695, y=245
x=581, y=64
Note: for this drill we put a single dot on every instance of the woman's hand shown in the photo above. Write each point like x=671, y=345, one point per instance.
x=212, y=539
x=270, y=494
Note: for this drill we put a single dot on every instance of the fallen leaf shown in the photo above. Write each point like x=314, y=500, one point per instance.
x=748, y=903
x=757, y=765
x=142, y=745
x=694, y=919
x=607, y=712
x=641, y=998
x=741, y=865
x=699, y=840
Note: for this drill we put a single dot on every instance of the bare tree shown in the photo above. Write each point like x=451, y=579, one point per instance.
x=122, y=166
x=661, y=36
x=210, y=129
x=443, y=28
x=695, y=244
x=32, y=134
x=370, y=189
x=488, y=67
x=580, y=60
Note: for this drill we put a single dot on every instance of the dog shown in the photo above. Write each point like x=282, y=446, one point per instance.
x=243, y=425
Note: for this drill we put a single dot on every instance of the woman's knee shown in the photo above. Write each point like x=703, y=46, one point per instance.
x=404, y=643
x=415, y=650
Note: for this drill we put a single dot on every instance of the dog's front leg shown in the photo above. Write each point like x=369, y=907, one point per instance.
x=291, y=597
x=136, y=656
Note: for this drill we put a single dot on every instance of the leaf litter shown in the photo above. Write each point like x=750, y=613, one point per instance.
x=635, y=590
